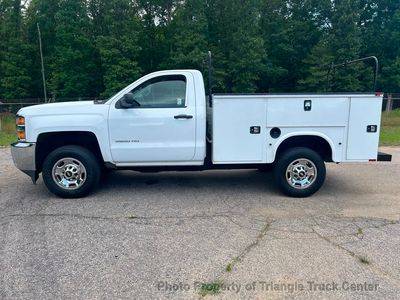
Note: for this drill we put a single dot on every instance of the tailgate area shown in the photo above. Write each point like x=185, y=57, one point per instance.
x=364, y=128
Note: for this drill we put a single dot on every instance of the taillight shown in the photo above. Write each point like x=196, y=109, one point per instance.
x=20, y=122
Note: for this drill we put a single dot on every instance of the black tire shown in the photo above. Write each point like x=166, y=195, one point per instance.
x=266, y=168
x=289, y=156
x=105, y=174
x=85, y=157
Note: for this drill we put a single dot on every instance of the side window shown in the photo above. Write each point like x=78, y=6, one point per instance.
x=161, y=92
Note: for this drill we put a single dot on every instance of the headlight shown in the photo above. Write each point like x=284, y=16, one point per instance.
x=20, y=122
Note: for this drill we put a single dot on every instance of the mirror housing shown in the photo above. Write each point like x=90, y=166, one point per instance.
x=128, y=101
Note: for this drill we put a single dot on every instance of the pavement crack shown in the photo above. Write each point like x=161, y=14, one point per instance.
x=327, y=239
x=239, y=258
x=255, y=243
x=359, y=258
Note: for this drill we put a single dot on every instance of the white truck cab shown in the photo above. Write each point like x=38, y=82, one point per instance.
x=164, y=121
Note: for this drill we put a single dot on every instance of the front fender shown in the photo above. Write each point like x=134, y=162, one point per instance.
x=93, y=123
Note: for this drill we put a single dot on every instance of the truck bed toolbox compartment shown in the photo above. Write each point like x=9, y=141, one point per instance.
x=239, y=129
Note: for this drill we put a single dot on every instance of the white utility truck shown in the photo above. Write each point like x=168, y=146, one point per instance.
x=164, y=121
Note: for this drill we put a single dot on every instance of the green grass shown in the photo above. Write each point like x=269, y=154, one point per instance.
x=7, y=133
x=229, y=267
x=7, y=138
x=7, y=122
x=390, y=130
x=364, y=260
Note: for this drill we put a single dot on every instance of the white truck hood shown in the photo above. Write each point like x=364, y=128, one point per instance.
x=62, y=108
x=86, y=116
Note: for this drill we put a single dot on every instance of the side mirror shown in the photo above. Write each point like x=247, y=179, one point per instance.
x=128, y=101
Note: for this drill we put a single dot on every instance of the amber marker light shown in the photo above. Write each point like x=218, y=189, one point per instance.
x=21, y=135
x=20, y=122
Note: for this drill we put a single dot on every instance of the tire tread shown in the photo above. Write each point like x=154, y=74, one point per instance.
x=286, y=158
x=86, y=157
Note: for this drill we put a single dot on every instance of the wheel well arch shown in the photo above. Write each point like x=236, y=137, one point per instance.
x=49, y=141
x=316, y=143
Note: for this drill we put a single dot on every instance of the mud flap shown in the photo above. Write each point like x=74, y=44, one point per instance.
x=34, y=175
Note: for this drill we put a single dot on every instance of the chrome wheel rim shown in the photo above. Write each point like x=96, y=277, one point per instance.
x=69, y=173
x=301, y=173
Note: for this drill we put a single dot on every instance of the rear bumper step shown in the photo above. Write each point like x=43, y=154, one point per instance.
x=384, y=156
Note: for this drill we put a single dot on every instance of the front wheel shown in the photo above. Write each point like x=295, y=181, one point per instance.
x=300, y=172
x=71, y=172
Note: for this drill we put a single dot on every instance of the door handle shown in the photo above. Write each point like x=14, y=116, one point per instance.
x=183, y=117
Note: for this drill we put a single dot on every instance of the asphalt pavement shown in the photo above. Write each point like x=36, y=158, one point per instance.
x=214, y=234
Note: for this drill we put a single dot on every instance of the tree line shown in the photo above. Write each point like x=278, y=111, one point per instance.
x=93, y=48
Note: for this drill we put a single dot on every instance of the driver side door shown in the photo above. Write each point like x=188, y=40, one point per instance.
x=161, y=129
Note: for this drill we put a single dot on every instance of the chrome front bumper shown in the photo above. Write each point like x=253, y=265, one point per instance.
x=23, y=155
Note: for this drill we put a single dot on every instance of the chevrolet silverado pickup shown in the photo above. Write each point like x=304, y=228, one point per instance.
x=164, y=121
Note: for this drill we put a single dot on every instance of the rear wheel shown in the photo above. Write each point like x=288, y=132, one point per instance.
x=300, y=172
x=71, y=172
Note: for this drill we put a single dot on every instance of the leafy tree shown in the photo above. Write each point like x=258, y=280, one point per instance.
x=14, y=52
x=341, y=42
x=391, y=70
x=290, y=29
x=94, y=48
x=42, y=13
x=156, y=16
x=73, y=67
x=237, y=46
x=117, y=42
x=381, y=33
x=188, y=36
x=391, y=76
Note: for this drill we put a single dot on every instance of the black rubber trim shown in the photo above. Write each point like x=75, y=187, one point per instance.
x=34, y=175
x=110, y=165
x=384, y=156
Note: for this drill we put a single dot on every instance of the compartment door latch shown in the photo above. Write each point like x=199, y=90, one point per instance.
x=372, y=128
x=255, y=129
x=307, y=105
